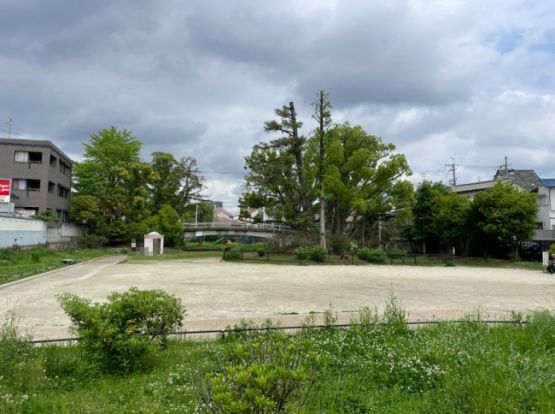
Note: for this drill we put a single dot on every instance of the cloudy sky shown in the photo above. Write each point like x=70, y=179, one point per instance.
x=472, y=80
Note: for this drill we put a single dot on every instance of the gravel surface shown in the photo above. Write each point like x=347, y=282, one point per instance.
x=217, y=294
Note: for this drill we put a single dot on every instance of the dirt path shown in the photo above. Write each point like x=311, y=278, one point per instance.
x=216, y=294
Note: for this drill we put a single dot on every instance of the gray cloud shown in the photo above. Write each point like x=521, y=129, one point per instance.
x=471, y=80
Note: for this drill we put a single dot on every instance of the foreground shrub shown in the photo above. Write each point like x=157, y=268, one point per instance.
x=372, y=255
x=270, y=373
x=124, y=334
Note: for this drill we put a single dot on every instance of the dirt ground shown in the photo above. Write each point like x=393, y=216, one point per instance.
x=216, y=294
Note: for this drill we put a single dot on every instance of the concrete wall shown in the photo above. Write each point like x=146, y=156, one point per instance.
x=64, y=233
x=21, y=232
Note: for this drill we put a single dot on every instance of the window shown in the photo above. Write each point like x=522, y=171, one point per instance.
x=52, y=161
x=51, y=187
x=35, y=157
x=21, y=156
x=23, y=184
x=63, y=192
x=19, y=184
x=65, y=169
x=28, y=157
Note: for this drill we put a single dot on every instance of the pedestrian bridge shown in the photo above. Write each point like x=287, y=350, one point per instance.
x=260, y=230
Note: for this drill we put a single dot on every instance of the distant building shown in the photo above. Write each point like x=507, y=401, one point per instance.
x=546, y=204
x=40, y=175
x=522, y=180
x=221, y=215
x=471, y=189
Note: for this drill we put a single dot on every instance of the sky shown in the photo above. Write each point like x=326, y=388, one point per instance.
x=441, y=79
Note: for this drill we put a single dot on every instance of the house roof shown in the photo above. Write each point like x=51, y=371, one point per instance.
x=527, y=179
x=34, y=143
x=478, y=186
x=547, y=182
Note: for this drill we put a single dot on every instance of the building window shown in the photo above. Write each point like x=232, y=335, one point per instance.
x=23, y=184
x=35, y=157
x=21, y=156
x=28, y=157
x=52, y=161
x=51, y=187
x=65, y=169
x=63, y=192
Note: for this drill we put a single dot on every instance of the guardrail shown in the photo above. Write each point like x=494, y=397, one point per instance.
x=237, y=226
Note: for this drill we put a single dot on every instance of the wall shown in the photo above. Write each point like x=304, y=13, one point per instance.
x=64, y=233
x=21, y=232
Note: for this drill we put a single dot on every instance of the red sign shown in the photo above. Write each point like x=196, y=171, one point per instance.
x=5, y=189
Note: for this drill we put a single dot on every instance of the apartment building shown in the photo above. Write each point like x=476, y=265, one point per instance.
x=40, y=175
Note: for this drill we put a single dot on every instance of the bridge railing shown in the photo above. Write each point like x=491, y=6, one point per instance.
x=237, y=226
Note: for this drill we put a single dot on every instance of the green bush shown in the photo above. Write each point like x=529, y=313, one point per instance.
x=318, y=254
x=396, y=253
x=372, y=255
x=123, y=334
x=302, y=253
x=339, y=245
x=232, y=254
x=270, y=373
x=552, y=249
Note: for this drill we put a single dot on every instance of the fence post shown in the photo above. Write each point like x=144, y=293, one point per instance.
x=268, y=256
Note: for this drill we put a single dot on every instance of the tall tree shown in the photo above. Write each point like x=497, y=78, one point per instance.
x=322, y=115
x=294, y=144
x=363, y=179
x=177, y=182
x=451, y=221
x=425, y=210
x=503, y=213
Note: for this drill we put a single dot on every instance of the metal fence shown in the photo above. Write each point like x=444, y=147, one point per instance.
x=225, y=333
x=345, y=259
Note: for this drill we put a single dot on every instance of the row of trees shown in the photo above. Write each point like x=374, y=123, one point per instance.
x=118, y=196
x=441, y=219
x=346, y=174
x=345, y=181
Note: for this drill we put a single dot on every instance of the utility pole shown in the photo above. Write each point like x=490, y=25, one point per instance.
x=9, y=124
x=505, y=166
x=452, y=169
x=322, y=115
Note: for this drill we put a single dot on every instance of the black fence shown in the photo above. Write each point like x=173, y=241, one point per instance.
x=224, y=333
x=345, y=259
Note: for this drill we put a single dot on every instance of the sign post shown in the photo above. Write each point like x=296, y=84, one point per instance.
x=5, y=190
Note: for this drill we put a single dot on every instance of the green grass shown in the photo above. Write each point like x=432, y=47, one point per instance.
x=15, y=265
x=446, y=368
x=174, y=255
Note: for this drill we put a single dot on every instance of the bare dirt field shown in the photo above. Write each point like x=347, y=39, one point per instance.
x=216, y=293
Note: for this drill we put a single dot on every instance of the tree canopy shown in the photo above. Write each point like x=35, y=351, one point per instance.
x=118, y=196
x=358, y=176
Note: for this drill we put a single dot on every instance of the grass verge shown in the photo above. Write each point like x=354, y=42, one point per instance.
x=15, y=265
x=446, y=368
